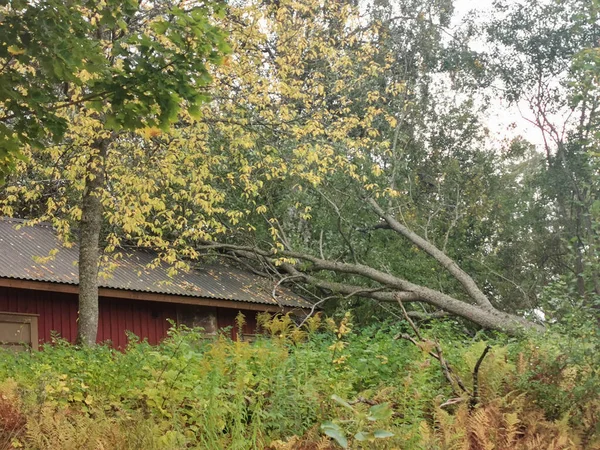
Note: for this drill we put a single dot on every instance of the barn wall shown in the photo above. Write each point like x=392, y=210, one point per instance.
x=56, y=311
x=148, y=320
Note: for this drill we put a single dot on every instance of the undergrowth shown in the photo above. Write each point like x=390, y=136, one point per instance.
x=320, y=386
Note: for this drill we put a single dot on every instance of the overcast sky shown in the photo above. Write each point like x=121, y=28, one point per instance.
x=503, y=121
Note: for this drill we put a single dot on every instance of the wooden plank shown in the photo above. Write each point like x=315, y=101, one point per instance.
x=39, y=285
x=4, y=292
x=145, y=318
x=35, y=339
x=152, y=332
x=17, y=316
x=73, y=323
x=114, y=325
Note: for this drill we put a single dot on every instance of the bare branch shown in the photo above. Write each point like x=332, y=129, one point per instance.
x=279, y=283
x=312, y=311
x=339, y=224
x=391, y=287
x=410, y=322
x=321, y=244
x=448, y=372
x=452, y=401
x=475, y=395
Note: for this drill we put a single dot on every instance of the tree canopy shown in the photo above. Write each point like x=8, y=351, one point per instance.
x=109, y=56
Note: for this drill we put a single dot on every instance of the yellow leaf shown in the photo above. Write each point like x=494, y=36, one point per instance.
x=14, y=50
x=151, y=132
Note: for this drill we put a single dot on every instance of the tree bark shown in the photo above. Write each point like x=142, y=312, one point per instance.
x=89, y=237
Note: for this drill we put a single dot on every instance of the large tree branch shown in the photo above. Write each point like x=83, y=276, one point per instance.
x=392, y=288
x=448, y=263
x=58, y=105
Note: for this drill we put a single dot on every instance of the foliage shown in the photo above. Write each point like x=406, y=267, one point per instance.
x=148, y=62
x=133, y=61
x=330, y=124
x=542, y=56
x=360, y=420
x=282, y=392
x=321, y=106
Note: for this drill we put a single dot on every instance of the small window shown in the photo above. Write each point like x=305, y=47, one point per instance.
x=18, y=332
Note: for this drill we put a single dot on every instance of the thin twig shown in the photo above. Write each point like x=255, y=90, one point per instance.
x=499, y=275
x=283, y=280
x=446, y=369
x=321, y=244
x=452, y=401
x=339, y=224
x=312, y=310
x=409, y=320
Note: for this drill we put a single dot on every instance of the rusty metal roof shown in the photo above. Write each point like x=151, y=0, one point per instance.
x=24, y=252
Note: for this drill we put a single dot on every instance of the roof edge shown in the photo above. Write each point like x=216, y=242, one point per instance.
x=69, y=288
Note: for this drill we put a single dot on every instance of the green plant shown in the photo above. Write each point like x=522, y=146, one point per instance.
x=360, y=421
x=283, y=393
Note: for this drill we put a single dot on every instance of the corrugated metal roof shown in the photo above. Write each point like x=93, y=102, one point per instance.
x=23, y=247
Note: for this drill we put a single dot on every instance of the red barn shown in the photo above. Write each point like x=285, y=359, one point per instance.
x=38, y=294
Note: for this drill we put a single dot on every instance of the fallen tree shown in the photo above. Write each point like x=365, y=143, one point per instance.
x=319, y=115
x=295, y=267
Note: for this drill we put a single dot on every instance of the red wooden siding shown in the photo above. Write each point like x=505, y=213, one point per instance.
x=56, y=311
x=147, y=320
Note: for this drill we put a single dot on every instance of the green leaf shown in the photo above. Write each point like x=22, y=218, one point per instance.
x=194, y=111
x=335, y=432
x=342, y=402
x=112, y=123
x=382, y=434
x=160, y=27
x=360, y=436
x=380, y=412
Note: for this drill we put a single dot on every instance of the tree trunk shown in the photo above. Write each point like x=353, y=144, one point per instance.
x=89, y=237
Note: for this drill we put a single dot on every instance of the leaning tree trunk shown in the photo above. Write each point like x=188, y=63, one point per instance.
x=89, y=237
x=388, y=287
